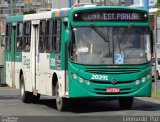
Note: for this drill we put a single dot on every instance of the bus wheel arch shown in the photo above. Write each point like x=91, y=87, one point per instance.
x=60, y=101
x=54, y=83
x=20, y=74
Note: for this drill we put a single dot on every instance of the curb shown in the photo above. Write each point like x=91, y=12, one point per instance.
x=150, y=99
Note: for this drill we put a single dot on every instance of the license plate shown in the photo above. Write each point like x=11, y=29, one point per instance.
x=113, y=90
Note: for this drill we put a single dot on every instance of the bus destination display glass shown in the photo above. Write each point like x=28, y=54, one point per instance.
x=109, y=15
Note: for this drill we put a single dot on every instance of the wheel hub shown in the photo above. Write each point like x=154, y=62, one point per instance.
x=22, y=89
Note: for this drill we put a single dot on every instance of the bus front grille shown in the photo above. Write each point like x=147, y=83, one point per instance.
x=102, y=93
x=112, y=70
x=109, y=82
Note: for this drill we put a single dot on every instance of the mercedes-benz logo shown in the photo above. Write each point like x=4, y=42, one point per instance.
x=114, y=81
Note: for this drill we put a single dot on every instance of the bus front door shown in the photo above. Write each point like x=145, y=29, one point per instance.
x=34, y=41
x=10, y=57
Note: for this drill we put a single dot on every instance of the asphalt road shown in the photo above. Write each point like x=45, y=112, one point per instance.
x=11, y=105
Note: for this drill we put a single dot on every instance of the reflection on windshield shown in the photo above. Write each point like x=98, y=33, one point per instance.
x=110, y=45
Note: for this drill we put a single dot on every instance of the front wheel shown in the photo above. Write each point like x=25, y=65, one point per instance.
x=125, y=102
x=60, y=101
x=35, y=99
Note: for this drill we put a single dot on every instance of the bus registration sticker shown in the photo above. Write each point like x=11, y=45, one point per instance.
x=118, y=59
x=113, y=90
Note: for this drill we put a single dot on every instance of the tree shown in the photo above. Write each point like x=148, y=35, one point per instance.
x=29, y=12
x=157, y=13
x=158, y=3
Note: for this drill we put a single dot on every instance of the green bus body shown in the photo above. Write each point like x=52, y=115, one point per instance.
x=124, y=75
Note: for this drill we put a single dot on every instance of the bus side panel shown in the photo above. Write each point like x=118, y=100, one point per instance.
x=47, y=84
x=26, y=67
x=18, y=67
x=60, y=73
x=42, y=69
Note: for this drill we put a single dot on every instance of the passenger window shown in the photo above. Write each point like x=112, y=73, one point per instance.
x=53, y=34
x=19, y=37
x=8, y=37
x=27, y=36
x=42, y=36
x=49, y=35
x=56, y=35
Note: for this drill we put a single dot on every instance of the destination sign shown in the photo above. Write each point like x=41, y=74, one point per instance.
x=110, y=16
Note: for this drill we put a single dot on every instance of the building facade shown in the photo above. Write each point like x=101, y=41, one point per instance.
x=60, y=3
x=108, y=2
x=69, y=3
x=17, y=7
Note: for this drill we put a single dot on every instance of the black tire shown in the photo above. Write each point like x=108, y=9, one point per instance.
x=35, y=99
x=125, y=102
x=25, y=95
x=60, y=101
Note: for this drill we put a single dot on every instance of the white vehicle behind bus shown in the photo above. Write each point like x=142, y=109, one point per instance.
x=156, y=68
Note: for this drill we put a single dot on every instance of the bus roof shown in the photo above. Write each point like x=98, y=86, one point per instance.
x=62, y=12
x=37, y=16
x=108, y=7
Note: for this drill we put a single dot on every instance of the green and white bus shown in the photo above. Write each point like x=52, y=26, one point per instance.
x=88, y=52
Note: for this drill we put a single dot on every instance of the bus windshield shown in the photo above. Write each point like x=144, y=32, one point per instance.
x=110, y=45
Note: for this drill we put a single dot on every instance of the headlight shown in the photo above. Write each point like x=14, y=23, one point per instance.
x=88, y=82
x=81, y=80
x=137, y=82
x=143, y=80
x=74, y=75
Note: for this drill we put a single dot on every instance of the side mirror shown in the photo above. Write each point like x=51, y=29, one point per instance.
x=67, y=37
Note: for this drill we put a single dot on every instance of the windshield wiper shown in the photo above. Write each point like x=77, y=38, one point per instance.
x=125, y=32
x=101, y=34
x=123, y=36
